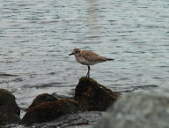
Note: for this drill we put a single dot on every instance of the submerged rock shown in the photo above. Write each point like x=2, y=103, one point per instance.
x=45, y=97
x=138, y=110
x=49, y=111
x=93, y=96
x=9, y=110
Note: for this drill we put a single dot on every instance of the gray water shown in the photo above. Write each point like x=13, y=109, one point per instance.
x=36, y=37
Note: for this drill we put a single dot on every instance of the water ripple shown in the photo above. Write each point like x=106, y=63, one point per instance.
x=37, y=36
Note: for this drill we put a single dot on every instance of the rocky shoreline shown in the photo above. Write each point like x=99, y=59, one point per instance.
x=92, y=106
x=91, y=98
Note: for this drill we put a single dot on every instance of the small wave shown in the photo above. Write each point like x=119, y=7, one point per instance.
x=133, y=88
x=7, y=75
x=144, y=87
x=44, y=85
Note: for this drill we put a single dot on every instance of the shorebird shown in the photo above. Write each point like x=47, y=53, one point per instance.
x=88, y=58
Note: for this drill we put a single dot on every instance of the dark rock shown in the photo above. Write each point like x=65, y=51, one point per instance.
x=45, y=97
x=50, y=110
x=58, y=96
x=77, y=120
x=138, y=110
x=93, y=96
x=9, y=110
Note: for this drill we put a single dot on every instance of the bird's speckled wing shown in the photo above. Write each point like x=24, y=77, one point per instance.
x=91, y=56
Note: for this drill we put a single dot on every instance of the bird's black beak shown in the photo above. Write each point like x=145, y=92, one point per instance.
x=71, y=54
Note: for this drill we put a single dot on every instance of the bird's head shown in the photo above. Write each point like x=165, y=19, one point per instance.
x=75, y=51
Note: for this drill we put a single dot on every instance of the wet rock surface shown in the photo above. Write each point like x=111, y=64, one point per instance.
x=93, y=96
x=81, y=110
x=9, y=110
x=42, y=98
x=77, y=120
x=50, y=110
x=138, y=110
x=89, y=95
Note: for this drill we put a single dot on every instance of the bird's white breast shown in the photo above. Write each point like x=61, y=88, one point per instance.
x=82, y=60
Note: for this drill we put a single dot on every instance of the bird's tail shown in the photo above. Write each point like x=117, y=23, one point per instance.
x=109, y=59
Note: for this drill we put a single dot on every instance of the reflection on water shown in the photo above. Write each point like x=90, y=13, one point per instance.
x=94, y=30
x=37, y=36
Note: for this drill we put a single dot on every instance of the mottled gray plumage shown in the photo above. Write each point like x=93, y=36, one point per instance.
x=88, y=58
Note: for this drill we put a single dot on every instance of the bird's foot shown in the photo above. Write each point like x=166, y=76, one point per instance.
x=87, y=77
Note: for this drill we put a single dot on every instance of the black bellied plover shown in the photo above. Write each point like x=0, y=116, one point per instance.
x=88, y=58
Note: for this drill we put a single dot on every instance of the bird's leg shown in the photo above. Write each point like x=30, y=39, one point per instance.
x=88, y=72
